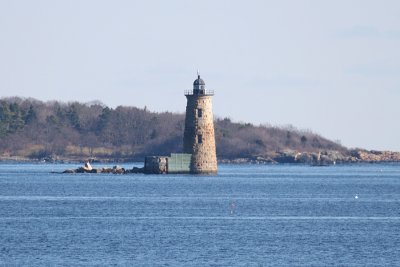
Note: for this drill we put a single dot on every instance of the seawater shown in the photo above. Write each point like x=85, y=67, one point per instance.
x=247, y=215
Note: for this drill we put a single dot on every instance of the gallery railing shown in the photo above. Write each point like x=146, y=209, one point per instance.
x=199, y=92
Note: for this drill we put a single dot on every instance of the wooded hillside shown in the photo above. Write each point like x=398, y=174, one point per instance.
x=37, y=130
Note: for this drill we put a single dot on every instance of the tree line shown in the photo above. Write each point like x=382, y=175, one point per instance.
x=35, y=129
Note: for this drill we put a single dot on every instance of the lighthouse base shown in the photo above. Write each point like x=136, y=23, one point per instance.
x=177, y=163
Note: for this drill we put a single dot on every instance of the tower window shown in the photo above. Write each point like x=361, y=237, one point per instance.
x=199, y=113
x=200, y=139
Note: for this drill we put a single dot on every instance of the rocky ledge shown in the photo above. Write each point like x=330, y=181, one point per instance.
x=87, y=168
x=376, y=156
x=321, y=158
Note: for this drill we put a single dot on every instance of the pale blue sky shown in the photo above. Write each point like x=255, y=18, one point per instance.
x=329, y=66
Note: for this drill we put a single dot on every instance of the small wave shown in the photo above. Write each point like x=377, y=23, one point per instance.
x=216, y=218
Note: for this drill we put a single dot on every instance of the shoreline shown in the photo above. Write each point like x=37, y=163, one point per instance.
x=238, y=161
x=321, y=158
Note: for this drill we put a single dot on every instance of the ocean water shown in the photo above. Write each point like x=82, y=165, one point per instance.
x=247, y=215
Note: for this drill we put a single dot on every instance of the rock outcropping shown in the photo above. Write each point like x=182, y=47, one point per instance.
x=321, y=158
x=87, y=168
x=376, y=156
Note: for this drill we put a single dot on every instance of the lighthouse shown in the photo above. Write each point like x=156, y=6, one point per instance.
x=199, y=137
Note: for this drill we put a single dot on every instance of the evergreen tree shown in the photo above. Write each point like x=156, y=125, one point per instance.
x=30, y=115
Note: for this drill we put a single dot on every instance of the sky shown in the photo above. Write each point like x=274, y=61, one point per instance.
x=332, y=67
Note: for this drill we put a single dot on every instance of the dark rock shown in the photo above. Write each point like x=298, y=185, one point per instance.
x=285, y=158
x=119, y=171
x=96, y=170
x=135, y=170
x=107, y=170
x=69, y=171
x=80, y=170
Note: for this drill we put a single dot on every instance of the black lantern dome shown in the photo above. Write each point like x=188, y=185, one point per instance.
x=199, y=81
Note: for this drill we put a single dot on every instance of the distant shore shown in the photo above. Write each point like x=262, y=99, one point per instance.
x=321, y=158
x=286, y=157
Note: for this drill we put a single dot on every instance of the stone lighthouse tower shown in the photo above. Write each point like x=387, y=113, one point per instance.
x=199, y=138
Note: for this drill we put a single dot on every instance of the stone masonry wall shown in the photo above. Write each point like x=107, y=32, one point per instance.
x=204, y=158
x=155, y=165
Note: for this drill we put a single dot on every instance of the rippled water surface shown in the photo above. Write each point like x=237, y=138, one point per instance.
x=247, y=215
